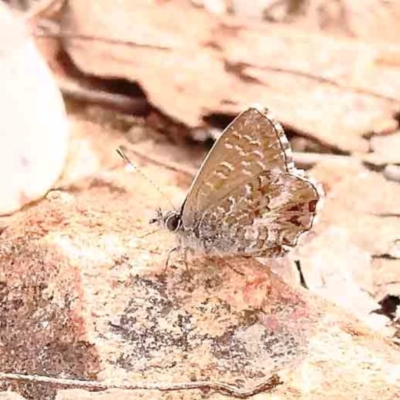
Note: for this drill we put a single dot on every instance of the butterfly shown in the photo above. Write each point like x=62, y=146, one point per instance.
x=248, y=198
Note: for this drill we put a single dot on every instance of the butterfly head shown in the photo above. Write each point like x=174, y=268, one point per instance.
x=170, y=220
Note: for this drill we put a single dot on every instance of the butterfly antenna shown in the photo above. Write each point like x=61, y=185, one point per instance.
x=122, y=154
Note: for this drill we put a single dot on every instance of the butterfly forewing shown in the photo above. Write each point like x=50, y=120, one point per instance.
x=253, y=143
x=262, y=217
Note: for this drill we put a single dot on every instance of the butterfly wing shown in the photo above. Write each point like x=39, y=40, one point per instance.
x=252, y=143
x=262, y=217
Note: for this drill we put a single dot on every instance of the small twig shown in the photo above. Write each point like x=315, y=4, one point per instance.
x=90, y=38
x=49, y=30
x=267, y=386
x=303, y=282
x=386, y=256
x=114, y=101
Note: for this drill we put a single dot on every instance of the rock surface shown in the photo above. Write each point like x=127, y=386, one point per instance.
x=84, y=295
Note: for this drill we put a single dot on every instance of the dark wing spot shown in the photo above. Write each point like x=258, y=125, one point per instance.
x=312, y=205
x=295, y=220
x=296, y=208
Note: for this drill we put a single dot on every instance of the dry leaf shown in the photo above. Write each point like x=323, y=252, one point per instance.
x=334, y=91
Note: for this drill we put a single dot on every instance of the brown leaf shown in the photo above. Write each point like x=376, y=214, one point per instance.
x=334, y=91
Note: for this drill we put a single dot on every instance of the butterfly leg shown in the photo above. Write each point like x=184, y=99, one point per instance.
x=185, y=257
x=176, y=248
x=222, y=258
x=233, y=268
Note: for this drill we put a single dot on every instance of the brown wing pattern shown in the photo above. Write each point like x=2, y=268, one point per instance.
x=261, y=217
x=253, y=143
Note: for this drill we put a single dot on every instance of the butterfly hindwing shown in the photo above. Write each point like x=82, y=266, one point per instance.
x=262, y=217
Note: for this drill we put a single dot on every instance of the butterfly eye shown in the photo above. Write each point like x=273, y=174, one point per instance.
x=173, y=222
